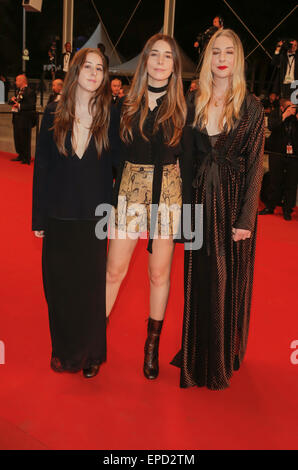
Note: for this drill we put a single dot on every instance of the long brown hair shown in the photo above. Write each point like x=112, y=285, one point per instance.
x=172, y=113
x=99, y=104
x=236, y=93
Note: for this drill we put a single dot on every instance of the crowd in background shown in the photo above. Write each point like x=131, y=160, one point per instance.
x=281, y=113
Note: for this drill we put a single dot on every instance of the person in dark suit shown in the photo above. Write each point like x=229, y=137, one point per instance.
x=283, y=168
x=23, y=109
x=285, y=61
x=191, y=93
x=116, y=85
x=66, y=58
x=57, y=86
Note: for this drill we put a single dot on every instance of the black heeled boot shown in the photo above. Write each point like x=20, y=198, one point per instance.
x=91, y=371
x=151, y=367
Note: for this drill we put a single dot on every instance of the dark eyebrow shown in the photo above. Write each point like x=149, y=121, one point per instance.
x=229, y=47
x=88, y=62
x=156, y=50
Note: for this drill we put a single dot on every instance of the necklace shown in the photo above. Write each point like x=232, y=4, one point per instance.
x=218, y=101
x=78, y=121
x=157, y=90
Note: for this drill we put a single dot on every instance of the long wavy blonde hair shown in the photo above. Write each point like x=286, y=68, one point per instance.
x=172, y=113
x=99, y=104
x=236, y=92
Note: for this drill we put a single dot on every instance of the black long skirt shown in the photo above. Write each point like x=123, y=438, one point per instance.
x=74, y=276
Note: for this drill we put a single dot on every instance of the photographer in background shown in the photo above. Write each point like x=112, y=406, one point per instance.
x=203, y=38
x=285, y=60
x=270, y=103
x=23, y=111
x=283, y=162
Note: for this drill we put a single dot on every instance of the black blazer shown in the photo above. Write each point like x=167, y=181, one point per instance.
x=277, y=141
x=280, y=62
x=62, y=59
x=68, y=187
x=27, y=105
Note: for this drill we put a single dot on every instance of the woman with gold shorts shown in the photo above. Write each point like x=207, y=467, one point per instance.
x=148, y=189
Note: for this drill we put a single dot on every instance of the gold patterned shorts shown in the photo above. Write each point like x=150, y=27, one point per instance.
x=133, y=214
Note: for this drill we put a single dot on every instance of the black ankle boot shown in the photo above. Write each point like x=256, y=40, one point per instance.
x=151, y=367
x=91, y=371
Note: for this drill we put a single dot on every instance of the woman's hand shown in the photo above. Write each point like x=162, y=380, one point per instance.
x=240, y=234
x=39, y=233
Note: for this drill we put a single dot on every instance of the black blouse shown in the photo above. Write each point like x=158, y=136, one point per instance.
x=69, y=187
x=154, y=150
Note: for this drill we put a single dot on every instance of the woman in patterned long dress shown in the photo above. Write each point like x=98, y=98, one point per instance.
x=228, y=134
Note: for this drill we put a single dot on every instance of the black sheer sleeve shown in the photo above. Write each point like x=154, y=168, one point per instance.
x=41, y=169
x=29, y=100
x=186, y=160
x=116, y=145
x=254, y=168
x=186, y=164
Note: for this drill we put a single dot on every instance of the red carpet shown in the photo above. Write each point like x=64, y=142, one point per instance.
x=120, y=409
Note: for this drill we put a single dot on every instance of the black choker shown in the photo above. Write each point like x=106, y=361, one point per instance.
x=157, y=90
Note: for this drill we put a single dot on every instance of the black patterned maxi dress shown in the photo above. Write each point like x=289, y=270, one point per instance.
x=218, y=277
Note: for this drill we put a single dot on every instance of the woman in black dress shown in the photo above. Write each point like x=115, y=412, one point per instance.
x=76, y=149
x=228, y=134
x=152, y=120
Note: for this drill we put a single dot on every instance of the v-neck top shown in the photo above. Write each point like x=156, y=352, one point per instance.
x=70, y=187
x=213, y=139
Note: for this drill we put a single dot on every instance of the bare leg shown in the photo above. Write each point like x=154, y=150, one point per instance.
x=160, y=262
x=119, y=256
